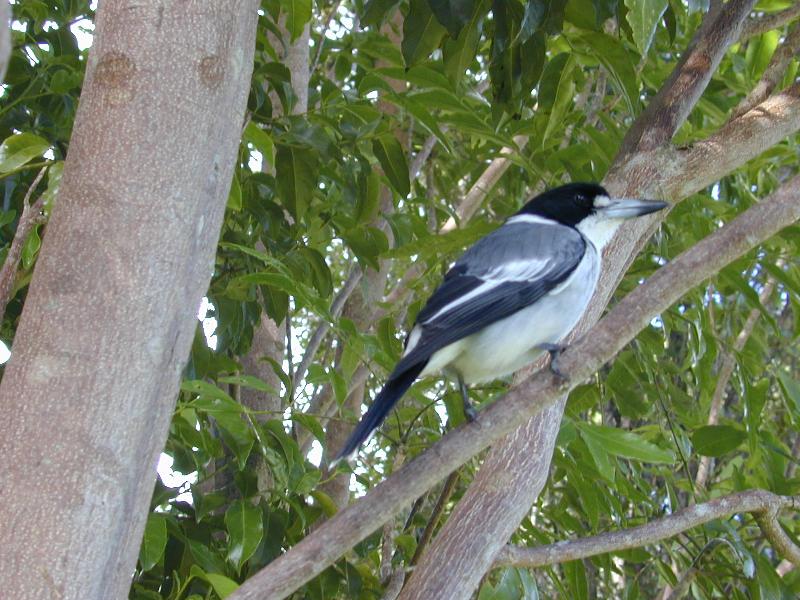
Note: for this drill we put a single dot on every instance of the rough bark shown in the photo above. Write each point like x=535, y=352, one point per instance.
x=110, y=314
x=676, y=98
x=317, y=551
x=31, y=217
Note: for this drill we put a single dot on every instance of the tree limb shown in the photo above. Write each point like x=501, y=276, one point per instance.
x=30, y=217
x=768, y=22
x=773, y=73
x=322, y=329
x=782, y=543
x=317, y=551
x=760, y=502
x=483, y=185
x=679, y=94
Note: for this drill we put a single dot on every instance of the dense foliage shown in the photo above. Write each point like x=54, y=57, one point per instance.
x=348, y=186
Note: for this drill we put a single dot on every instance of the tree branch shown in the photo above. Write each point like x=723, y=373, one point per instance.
x=773, y=73
x=483, y=185
x=768, y=22
x=724, y=375
x=30, y=217
x=782, y=543
x=760, y=502
x=320, y=549
x=676, y=98
x=322, y=329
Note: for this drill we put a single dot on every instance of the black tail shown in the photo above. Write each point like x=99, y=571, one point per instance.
x=394, y=389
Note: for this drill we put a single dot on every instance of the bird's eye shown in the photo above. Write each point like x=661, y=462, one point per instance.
x=580, y=198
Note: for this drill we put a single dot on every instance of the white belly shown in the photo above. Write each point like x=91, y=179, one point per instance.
x=511, y=343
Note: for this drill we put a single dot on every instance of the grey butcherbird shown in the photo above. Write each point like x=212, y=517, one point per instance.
x=513, y=295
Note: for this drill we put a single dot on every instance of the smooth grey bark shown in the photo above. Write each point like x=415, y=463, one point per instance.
x=110, y=315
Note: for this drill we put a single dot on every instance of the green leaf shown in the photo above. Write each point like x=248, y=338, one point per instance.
x=311, y=423
x=223, y=586
x=625, y=444
x=791, y=392
x=209, y=391
x=390, y=155
x=54, y=173
x=261, y=140
x=535, y=11
x=31, y=248
x=368, y=200
x=459, y=53
x=606, y=465
x=421, y=32
x=376, y=11
x=245, y=528
x=716, y=440
x=643, y=17
x=298, y=13
x=20, y=148
x=325, y=502
x=295, y=171
x=576, y=579
x=235, y=195
x=249, y=381
x=425, y=118
x=565, y=92
x=154, y=541
x=616, y=60
x=452, y=14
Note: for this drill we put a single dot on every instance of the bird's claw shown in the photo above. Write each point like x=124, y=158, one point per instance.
x=470, y=413
x=555, y=351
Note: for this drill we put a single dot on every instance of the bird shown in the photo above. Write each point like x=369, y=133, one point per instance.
x=512, y=296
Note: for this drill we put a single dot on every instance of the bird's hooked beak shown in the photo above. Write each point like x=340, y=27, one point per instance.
x=627, y=208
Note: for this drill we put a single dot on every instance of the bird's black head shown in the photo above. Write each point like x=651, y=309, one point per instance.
x=568, y=204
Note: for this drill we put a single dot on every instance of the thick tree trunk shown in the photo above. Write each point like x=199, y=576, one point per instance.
x=111, y=310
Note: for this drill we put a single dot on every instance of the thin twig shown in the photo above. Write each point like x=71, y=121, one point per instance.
x=422, y=156
x=322, y=330
x=768, y=22
x=327, y=20
x=484, y=184
x=30, y=217
x=438, y=509
x=751, y=501
x=724, y=375
x=773, y=73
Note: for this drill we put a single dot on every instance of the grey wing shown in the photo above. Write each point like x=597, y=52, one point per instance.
x=502, y=273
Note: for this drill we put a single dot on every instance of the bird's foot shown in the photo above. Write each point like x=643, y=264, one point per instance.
x=470, y=413
x=555, y=351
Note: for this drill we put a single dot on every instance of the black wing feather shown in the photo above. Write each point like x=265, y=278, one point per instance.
x=557, y=249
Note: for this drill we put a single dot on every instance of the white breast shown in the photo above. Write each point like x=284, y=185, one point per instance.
x=509, y=344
